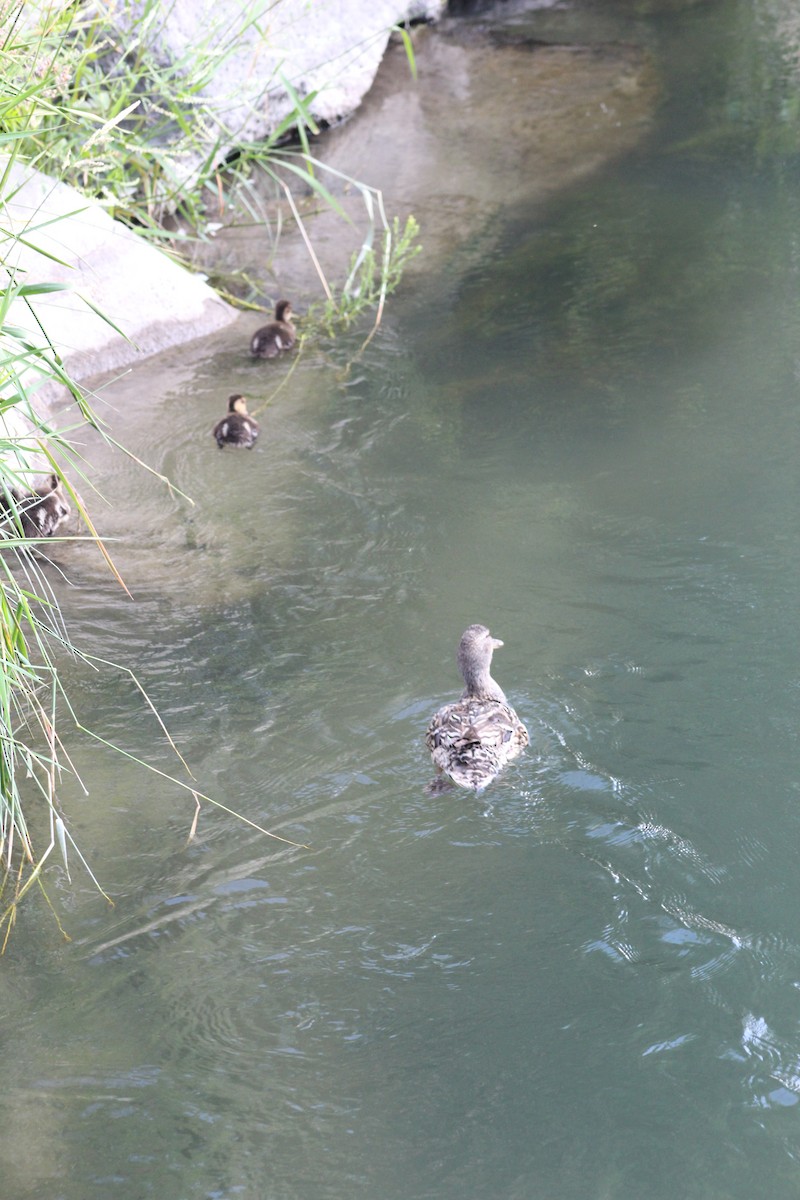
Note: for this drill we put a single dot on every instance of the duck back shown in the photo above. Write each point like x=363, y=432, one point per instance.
x=236, y=430
x=472, y=740
x=271, y=340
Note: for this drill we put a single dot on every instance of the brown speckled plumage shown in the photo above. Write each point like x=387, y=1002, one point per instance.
x=472, y=740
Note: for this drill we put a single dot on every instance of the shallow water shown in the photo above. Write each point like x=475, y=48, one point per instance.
x=586, y=983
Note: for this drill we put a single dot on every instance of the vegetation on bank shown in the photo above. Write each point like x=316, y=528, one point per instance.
x=103, y=111
x=107, y=117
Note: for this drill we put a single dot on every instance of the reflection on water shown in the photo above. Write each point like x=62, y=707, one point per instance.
x=582, y=984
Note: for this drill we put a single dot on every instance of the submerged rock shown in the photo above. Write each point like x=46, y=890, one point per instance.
x=325, y=54
x=488, y=123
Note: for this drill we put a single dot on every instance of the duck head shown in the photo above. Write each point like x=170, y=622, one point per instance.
x=474, y=659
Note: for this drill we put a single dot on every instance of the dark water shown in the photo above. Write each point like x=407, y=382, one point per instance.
x=586, y=984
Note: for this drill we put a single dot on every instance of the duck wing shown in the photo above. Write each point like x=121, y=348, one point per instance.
x=472, y=740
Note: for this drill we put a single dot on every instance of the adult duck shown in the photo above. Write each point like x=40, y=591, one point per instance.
x=238, y=428
x=278, y=335
x=472, y=740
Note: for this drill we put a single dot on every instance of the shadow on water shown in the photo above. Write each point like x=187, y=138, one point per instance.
x=584, y=983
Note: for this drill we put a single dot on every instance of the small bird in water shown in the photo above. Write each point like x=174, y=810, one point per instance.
x=39, y=512
x=238, y=428
x=472, y=740
x=280, y=334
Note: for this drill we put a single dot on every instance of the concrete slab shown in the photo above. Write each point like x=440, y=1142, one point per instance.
x=62, y=237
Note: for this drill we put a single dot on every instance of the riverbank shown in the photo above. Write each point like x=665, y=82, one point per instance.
x=547, y=114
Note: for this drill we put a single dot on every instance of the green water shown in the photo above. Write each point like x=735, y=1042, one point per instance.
x=584, y=985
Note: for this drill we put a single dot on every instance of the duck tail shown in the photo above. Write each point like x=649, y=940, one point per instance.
x=473, y=775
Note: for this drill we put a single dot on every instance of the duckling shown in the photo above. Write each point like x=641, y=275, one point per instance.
x=280, y=334
x=473, y=739
x=238, y=428
x=40, y=512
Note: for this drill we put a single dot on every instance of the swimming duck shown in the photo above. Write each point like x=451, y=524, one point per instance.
x=280, y=334
x=41, y=511
x=238, y=428
x=473, y=739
